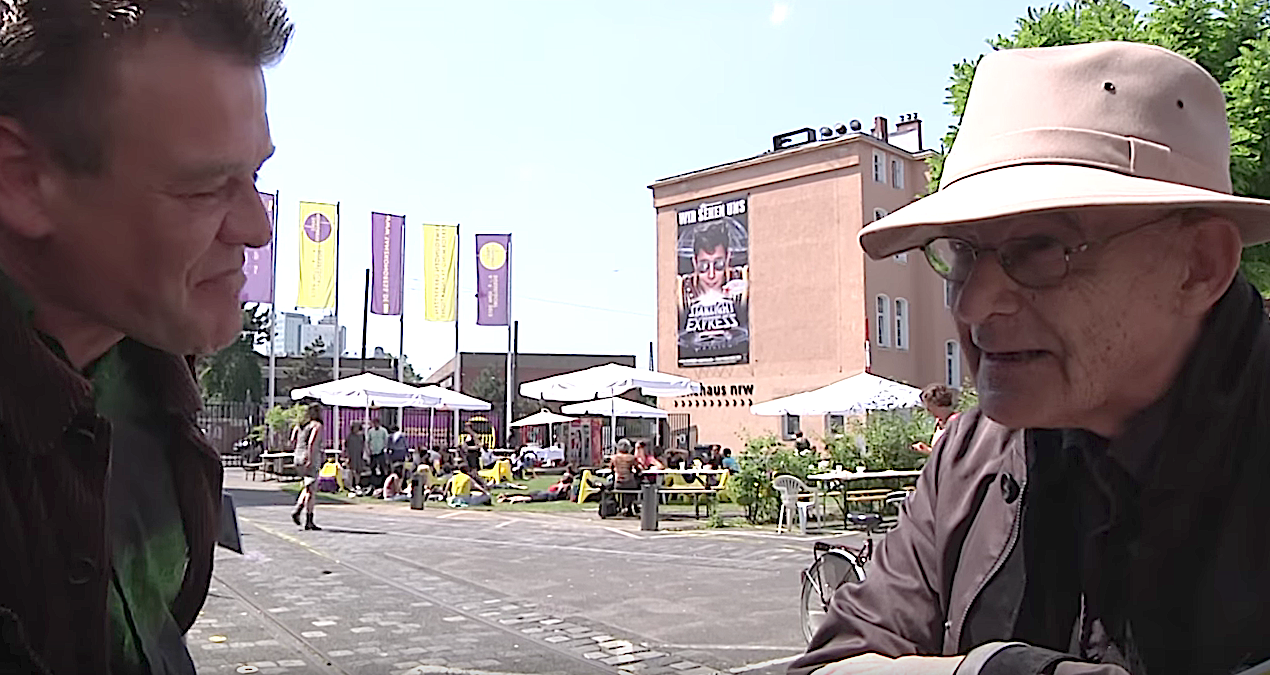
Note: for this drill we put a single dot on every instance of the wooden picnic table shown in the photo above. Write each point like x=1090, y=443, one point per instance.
x=843, y=477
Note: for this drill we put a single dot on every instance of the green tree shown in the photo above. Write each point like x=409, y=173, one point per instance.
x=233, y=373
x=311, y=371
x=408, y=374
x=1229, y=38
x=490, y=386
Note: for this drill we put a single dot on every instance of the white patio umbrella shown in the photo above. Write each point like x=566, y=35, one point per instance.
x=367, y=390
x=540, y=418
x=621, y=407
x=854, y=395
x=453, y=400
x=608, y=381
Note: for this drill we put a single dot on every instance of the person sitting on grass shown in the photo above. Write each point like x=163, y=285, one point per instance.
x=561, y=490
x=461, y=490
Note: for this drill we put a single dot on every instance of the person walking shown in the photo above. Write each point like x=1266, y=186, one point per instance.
x=308, y=462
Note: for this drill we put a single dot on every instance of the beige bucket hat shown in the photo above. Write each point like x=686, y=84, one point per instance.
x=1102, y=124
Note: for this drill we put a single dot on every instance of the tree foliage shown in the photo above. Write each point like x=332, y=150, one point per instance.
x=490, y=386
x=311, y=371
x=1229, y=38
x=764, y=458
x=233, y=373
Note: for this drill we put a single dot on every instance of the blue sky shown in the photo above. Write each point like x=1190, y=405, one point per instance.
x=548, y=119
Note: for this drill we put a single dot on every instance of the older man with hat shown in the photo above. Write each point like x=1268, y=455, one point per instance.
x=1104, y=510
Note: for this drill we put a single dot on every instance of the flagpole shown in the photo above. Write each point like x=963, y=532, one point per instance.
x=401, y=318
x=273, y=307
x=507, y=381
x=338, y=347
x=458, y=355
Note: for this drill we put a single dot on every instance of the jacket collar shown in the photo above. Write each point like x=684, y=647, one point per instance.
x=42, y=395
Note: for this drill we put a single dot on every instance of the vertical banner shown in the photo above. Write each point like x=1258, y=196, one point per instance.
x=713, y=258
x=318, y=250
x=492, y=279
x=258, y=262
x=387, y=263
x=440, y=272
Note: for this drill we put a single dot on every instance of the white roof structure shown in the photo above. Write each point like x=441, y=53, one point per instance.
x=367, y=390
x=854, y=395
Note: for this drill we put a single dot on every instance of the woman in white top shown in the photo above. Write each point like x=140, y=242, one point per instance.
x=939, y=401
x=308, y=461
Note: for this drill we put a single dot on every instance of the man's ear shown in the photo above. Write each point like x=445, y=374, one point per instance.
x=23, y=183
x=1212, y=249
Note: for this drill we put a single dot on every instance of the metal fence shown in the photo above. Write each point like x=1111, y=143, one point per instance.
x=225, y=424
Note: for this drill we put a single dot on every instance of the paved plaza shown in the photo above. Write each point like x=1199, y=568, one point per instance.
x=384, y=589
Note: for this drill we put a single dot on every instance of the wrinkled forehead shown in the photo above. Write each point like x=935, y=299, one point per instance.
x=1067, y=225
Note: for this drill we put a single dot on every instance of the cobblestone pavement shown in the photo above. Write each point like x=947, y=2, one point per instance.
x=383, y=589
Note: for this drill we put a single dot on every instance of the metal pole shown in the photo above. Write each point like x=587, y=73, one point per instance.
x=273, y=308
x=365, y=318
x=507, y=411
x=458, y=304
x=401, y=318
x=338, y=346
x=512, y=376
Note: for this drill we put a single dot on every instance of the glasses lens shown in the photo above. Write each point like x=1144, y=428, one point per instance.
x=951, y=259
x=1034, y=261
x=718, y=265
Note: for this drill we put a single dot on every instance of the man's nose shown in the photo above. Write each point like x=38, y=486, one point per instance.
x=248, y=222
x=988, y=290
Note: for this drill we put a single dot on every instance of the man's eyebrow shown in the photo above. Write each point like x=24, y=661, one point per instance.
x=217, y=169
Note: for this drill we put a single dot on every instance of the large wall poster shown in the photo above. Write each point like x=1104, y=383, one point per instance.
x=713, y=251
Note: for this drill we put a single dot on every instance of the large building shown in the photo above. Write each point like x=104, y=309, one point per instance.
x=529, y=367
x=763, y=290
x=295, y=334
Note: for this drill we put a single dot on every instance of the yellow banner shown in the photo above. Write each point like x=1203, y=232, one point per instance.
x=318, y=255
x=440, y=272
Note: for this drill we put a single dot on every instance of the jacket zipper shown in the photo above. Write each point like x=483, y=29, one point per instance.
x=996, y=567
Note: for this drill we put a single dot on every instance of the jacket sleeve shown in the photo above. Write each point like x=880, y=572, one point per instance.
x=896, y=611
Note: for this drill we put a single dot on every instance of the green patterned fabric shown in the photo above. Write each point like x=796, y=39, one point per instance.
x=150, y=551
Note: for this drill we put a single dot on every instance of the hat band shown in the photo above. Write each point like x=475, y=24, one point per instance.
x=1082, y=147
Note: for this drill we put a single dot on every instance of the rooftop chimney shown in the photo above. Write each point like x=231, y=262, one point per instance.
x=908, y=133
x=880, y=129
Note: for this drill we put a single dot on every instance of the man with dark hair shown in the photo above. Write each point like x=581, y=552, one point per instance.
x=130, y=136
x=711, y=259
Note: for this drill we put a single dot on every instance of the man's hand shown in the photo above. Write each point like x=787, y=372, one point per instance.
x=876, y=664
x=922, y=448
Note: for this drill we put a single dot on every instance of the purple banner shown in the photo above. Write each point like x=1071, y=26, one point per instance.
x=493, y=279
x=258, y=262
x=387, y=258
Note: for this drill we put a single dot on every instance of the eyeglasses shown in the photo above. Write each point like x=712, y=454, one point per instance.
x=1033, y=262
x=718, y=264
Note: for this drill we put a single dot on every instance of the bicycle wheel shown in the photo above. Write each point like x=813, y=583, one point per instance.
x=834, y=568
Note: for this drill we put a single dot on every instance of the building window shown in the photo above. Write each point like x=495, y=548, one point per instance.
x=879, y=167
x=884, y=321
x=948, y=294
x=901, y=323
x=878, y=214
x=790, y=426
x=952, y=364
x=835, y=424
x=897, y=173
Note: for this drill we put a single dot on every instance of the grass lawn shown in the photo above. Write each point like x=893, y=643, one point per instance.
x=731, y=512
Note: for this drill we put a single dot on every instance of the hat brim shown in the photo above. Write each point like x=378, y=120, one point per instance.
x=1035, y=188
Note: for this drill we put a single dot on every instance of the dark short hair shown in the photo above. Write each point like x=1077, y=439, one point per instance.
x=55, y=58
x=710, y=237
x=939, y=395
x=727, y=452
x=315, y=412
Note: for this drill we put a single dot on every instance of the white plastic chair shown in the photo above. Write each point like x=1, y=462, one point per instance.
x=791, y=488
